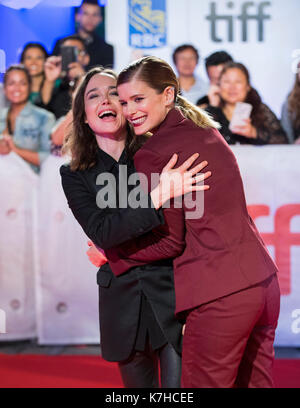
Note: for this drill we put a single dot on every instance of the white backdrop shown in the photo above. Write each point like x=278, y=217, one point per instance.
x=269, y=61
x=42, y=248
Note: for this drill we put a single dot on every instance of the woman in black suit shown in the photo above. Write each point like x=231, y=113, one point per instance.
x=137, y=324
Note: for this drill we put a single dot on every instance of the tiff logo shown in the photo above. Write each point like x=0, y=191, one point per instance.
x=282, y=239
x=2, y=321
x=244, y=17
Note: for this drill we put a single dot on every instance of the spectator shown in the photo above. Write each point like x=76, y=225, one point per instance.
x=290, y=114
x=57, y=90
x=88, y=18
x=214, y=64
x=262, y=127
x=25, y=128
x=33, y=57
x=192, y=87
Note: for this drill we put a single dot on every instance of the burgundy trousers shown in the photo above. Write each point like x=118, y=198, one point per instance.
x=229, y=342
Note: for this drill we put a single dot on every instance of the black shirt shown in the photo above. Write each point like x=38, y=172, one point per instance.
x=140, y=304
x=268, y=132
x=148, y=326
x=100, y=52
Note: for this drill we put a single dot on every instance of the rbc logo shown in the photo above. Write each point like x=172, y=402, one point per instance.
x=147, y=23
x=256, y=13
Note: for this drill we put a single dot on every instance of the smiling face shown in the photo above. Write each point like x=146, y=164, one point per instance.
x=16, y=87
x=143, y=106
x=34, y=60
x=102, y=108
x=234, y=86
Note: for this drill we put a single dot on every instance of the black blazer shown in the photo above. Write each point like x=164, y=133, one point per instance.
x=120, y=297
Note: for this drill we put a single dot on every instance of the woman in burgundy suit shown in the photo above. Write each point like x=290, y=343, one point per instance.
x=225, y=281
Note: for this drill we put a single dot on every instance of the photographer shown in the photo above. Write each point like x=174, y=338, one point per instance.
x=59, y=83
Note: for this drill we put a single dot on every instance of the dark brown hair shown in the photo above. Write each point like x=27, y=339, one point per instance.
x=158, y=75
x=294, y=103
x=81, y=141
x=185, y=47
x=33, y=45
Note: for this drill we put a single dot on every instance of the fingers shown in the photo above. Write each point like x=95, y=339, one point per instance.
x=198, y=168
x=201, y=177
x=187, y=164
x=171, y=163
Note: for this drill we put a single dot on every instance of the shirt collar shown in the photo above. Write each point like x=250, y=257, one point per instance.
x=24, y=112
x=108, y=161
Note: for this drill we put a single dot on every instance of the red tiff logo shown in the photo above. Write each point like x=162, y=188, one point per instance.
x=281, y=239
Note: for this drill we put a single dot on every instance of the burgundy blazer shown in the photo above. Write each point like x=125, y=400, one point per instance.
x=223, y=251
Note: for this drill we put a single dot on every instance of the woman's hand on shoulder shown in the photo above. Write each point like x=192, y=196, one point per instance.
x=175, y=182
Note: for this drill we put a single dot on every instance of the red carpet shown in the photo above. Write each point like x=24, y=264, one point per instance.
x=43, y=371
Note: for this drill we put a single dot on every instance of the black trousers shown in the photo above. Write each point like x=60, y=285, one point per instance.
x=141, y=370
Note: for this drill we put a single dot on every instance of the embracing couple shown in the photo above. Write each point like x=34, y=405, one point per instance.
x=183, y=301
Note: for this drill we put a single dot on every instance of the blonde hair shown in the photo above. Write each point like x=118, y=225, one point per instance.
x=158, y=74
x=195, y=114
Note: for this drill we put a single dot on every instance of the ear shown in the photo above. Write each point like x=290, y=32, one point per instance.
x=169, y=94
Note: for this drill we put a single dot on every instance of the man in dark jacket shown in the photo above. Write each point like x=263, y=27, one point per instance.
x=88, y=18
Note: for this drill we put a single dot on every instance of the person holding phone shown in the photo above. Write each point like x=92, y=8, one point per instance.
x=62, y=74
x=260, y=126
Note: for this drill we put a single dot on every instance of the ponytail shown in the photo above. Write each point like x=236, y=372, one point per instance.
x=195, y=114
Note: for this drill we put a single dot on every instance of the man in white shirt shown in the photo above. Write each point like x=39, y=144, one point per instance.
x=192, y=87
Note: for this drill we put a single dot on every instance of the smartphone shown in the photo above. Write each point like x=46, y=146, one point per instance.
x=242, y=111
x=68, y=55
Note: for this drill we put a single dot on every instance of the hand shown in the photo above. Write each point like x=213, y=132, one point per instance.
x=214, y=95
x=52, y=68
x=297, y=141
x=96, y=257
x=248, y=130
x=10, y=142
x=183, y=329
x=4, y=147
x=75, y=70
x=176, y=182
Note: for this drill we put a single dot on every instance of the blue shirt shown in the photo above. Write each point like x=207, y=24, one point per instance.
x=197, y=91
x=32, y=130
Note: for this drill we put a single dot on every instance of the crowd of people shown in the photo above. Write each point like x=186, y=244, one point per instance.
x=35, y=118
x=39, y=88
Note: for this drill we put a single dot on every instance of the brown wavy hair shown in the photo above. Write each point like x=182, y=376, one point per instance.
x=257, y=116
x=158, y=75
x=81, y=142
x=294, y=103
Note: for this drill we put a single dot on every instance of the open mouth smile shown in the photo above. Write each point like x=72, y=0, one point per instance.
x=138, y=121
